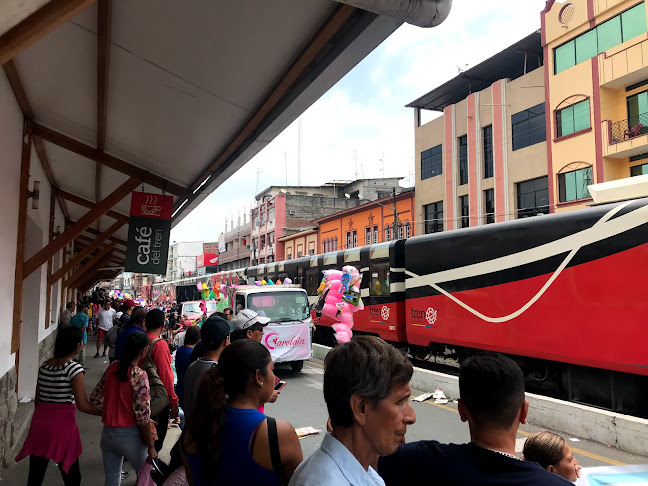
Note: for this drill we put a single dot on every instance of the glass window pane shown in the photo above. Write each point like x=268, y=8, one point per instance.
x=537, y=129
x=565, y=56
x=633, y=21
x=609, y=34
x=570, y=186
x=586, y=46
x=581, y=115
x=565, y=121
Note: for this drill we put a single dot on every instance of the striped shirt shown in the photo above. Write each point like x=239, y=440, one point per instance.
x=55, y=382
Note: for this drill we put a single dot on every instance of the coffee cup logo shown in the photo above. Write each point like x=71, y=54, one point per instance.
x=151, y=208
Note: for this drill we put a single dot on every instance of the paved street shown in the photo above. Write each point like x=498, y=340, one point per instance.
x=301, y=402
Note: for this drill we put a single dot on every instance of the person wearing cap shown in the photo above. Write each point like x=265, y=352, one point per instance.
x=214, y=336
x=249, y=325
x=129, y=306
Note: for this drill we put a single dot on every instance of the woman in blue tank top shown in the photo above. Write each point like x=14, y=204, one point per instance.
x=227, y=440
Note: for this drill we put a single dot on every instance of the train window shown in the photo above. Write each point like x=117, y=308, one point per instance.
x=312, y=283
x=379, y=284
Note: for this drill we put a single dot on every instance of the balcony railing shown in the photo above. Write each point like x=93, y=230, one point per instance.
x=629, y=128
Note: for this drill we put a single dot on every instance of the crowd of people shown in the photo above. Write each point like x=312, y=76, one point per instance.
x=225, y=376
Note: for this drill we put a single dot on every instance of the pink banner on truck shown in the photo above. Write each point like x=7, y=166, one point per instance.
x=287, y=342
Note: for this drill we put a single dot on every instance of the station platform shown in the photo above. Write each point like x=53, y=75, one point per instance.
x=302, y=403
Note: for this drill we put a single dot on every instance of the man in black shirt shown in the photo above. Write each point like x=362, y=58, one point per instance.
x=493, y=403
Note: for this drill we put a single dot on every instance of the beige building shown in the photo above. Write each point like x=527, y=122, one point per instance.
x=485, y=159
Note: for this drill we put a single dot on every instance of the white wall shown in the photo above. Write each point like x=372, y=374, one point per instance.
x=10, y=152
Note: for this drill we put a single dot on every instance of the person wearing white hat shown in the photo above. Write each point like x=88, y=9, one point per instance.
x=249, y=325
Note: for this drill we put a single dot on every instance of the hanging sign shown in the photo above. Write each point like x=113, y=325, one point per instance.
x=149, y=230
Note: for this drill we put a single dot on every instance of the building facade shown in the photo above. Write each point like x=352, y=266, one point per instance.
x=370, y=223
x=596, y=72
x=286, y=210
x=301, y=244
x=236, y=246
x=183, y=259
x=485, y=159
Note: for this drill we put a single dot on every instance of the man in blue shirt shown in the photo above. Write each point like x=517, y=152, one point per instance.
x=80, y=320
x=493, y=403
x=135, y=324
x=367, y=391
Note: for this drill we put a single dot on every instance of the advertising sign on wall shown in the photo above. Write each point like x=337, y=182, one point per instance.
x=207, y=260
x=149, y=229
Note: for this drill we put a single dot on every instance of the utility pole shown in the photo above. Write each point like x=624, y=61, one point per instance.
x=395, y=214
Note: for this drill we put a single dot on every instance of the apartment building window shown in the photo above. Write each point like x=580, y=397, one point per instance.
x=573, y=185
x=465, y=216
x=355, y=238
x=572, y=119
x=638, y=170
x=348, y=239
x=335, y=245
x=529, y=127
x=487, y=136
x=433, y=217
x=367, y=236
x=607, y=35
x=387, y=232
x=463, y=160
x=271, y=214
x=408, y=229
x=432, y=162
x=375, y=234
x=533, y=197
x=489, y=205
x=638, y=110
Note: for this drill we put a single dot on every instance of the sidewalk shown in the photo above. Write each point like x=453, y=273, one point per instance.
x=90, y=427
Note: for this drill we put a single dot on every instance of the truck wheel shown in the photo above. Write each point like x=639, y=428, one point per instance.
x=296, y=365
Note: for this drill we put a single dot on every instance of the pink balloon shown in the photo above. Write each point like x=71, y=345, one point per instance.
x=332, y=275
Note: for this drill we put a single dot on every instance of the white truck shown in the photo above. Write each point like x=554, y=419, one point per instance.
x=288, y=337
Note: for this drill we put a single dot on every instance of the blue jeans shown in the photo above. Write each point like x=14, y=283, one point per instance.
x=117, y=443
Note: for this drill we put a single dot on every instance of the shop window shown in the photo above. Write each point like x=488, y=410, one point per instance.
x=529, y=127
x=533, y=197
x=432, y=162
x=487, y=136
x=572, y=119
x=465, y=214
x=489, y=205
x=463, y=159
x=607, y=35
x=638, y=170
x=433, y=217
x=573, y=185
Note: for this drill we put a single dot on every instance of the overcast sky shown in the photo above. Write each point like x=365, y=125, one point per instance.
x=363, y=117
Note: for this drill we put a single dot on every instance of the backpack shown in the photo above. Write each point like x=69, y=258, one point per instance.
x=159, y=394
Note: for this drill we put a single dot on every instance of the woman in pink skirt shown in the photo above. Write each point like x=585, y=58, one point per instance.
x=53, y=433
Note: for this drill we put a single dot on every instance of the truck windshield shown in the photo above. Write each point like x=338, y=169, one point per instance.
x=211, y=306
x=191, y=308
x=280, y=306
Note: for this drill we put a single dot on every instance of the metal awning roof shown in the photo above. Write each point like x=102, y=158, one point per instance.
x=509, y=63
x=178, y=95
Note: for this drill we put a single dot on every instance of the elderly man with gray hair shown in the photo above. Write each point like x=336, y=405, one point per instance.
x=366, y=389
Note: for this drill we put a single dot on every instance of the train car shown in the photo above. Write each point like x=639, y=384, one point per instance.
x=382, y=289
x=565, y=293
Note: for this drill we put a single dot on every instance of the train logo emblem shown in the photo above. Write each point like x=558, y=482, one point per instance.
x=384, y=313
x=430, y=316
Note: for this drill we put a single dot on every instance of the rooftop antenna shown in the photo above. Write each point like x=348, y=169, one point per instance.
x=257, y=171
x=299, y=150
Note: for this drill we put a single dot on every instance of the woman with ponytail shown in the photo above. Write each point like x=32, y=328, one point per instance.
x=227, y=440
x=123, y=394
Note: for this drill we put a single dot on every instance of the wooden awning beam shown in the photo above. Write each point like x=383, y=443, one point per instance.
x=94, y=232
x=85, y=269
x=77, y=228
x=78, y=258
x=81, y=201
x=114, y=163
x=38, y=25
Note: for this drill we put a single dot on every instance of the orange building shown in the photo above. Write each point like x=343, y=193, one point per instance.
x=301, y=244
x=370, y=223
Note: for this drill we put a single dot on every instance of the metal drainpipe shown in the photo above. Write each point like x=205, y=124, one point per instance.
x=422, y=13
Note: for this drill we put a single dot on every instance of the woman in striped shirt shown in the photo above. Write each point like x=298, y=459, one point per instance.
x=53, y=433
